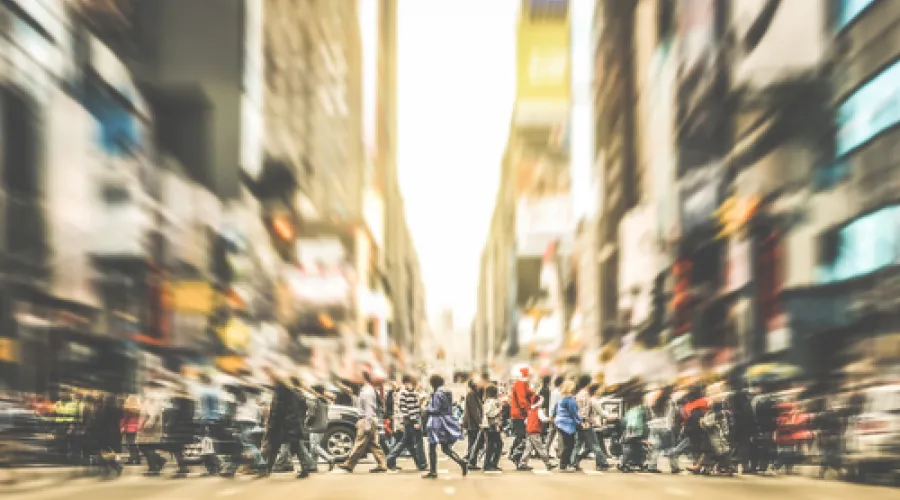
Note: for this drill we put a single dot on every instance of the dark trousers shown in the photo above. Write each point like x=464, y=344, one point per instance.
x=568, y=448
x=764, y=454
x=518, y=444
x=681, y=448
x=296, y=448
x=587, y=440
x=134, y=455
x=412, y=442
x=476, y=443
x=448, y=450
x=494, y=448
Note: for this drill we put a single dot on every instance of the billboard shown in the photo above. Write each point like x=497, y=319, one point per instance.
x=543, y=63
x=540, y=221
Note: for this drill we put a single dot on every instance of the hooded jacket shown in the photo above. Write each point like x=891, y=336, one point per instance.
x=534, y=424
x=520, y=400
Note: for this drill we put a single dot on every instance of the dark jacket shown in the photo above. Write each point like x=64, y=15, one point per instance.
x=474, y=411
x=742, y=409
x=287, y=413
x=179, y=420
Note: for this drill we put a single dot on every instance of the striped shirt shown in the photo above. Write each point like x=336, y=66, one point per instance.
x=409, y=406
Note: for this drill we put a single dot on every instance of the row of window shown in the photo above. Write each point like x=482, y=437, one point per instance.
x=865, y=245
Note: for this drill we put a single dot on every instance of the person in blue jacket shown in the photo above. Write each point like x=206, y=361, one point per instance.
x=443, y=428
x=567, y=422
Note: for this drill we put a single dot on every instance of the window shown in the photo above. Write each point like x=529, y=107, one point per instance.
x=849, y=10
x=665, y=22
x=865, y=245
x=869, y=111
x=770, y=275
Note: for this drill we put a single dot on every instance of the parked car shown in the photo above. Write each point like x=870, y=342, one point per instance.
x=338, y=439
x=24, y=437
x=873, y=437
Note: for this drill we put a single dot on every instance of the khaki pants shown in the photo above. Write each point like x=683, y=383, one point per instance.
x=366, y=442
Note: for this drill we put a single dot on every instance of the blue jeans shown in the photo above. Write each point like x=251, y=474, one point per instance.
x=587, y=438
x=412, y=441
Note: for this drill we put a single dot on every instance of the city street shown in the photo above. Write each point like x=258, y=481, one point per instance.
x=407, y=484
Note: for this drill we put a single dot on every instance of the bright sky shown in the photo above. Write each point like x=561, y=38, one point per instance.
x=456, y=85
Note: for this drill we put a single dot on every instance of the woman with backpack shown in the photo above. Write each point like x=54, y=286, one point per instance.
x=637, y=430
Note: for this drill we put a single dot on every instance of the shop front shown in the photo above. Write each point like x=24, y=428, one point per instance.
x=837, y=324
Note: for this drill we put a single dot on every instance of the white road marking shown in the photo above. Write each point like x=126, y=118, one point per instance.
x=493, y=472
x=449, y=490
x=677, y=492
x=229, y=492
x=443, y=471
x=540, y=471
x=594, y=472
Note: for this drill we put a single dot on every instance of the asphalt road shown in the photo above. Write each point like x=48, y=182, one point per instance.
x=407, y=484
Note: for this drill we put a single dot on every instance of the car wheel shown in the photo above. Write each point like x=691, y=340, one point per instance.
x=339, y=441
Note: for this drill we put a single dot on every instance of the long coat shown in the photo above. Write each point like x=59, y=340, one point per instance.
x=442, y=425
x=286, y=415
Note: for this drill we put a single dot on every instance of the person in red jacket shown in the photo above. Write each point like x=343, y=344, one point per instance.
x=520, y=398
x=129, y=426
x=534, y=428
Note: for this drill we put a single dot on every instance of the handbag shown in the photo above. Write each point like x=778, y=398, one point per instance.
x=207, y=447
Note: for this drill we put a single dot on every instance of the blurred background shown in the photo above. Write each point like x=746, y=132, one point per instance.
x=640, y=190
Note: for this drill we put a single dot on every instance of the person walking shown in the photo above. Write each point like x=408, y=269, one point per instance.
x=318, y=425
x=491, y=425
x=179, y=428
x=534, y=427
x=284, y=426
x=443, y=428
x=555, y=396
x=586, y=437
x=150, y=433
x=367, y=430
x=567, y=423
x=129, y=426
x=472, y=417
x=519, y=401
x=410, y=413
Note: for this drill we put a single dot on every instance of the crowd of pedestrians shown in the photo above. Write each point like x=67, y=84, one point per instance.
x=723, y=428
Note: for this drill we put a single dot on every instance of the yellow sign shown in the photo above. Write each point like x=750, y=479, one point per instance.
x=233, y=365
x=9, y=350
x=543, y=63
x=734, y=214
x=194, y=297
x=235, y=335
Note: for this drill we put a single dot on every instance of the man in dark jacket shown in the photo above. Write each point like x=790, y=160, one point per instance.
x=744, y=423
x=179, y=428
x=285, y=426
x=471, y=423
